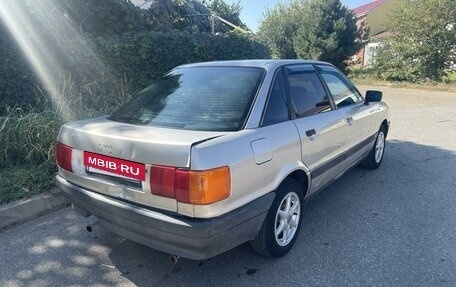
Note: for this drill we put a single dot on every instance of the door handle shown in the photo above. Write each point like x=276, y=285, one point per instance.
x=349, y=121
x=311, y=133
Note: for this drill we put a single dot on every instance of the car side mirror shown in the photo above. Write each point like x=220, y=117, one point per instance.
x=373, y=97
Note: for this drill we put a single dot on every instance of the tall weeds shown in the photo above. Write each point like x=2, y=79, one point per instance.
x=27, y=134
x=27, y=137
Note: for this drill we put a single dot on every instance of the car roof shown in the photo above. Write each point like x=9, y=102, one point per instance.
x=260, y=63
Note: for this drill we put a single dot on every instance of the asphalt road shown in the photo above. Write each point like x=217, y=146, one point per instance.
x=395, y=226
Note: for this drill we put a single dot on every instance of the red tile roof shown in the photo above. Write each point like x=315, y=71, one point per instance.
x=366, y=8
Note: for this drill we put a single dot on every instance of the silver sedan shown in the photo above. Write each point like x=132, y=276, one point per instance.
x=216, y=154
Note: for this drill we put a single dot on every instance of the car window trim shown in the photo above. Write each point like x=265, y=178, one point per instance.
x=254, y=100
x=326, y=88
x=278, y=71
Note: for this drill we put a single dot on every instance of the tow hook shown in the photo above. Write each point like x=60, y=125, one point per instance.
x=173, y=259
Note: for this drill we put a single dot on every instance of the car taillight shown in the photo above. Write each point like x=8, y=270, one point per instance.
x=63, y=156
x=68, y=158
x=190, y=186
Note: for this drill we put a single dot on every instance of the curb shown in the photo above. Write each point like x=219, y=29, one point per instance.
x=22, y=210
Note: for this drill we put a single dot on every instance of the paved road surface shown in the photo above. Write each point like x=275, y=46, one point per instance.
x=392, y=227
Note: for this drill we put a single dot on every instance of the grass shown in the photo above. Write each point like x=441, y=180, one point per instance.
x=365, y=76
x=26, y=153
x=443, y=87
x=25, y=180
x=27, y=135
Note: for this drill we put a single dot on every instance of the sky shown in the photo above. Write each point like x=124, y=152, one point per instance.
x=252, y=10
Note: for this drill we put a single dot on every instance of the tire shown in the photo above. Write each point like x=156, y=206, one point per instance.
x=375, y=156
x=284, y=214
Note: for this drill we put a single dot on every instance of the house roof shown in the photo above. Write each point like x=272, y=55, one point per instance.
x=368, y=7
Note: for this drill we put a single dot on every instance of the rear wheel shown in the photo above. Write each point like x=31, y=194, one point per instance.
x=374, y=159
x=281, y=225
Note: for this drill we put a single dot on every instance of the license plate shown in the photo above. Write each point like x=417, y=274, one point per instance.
x=116, y=166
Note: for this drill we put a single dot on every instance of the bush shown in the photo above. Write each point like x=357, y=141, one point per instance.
x=143, y=57
x=421, y=42
x=361, y=73
x=17, y=81
x=450, y=78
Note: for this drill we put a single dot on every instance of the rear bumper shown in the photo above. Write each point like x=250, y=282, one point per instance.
x=186, y=237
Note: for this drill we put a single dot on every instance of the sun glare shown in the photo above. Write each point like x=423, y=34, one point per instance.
x=49, y=15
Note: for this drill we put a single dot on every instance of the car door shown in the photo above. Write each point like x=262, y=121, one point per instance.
x=358, y=116
x=322, y=129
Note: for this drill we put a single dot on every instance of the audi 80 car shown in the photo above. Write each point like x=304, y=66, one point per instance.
x=216, y=154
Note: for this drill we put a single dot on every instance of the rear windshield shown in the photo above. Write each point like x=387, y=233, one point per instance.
x=200, y=98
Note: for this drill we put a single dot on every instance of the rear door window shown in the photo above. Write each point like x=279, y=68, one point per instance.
x=306, y=91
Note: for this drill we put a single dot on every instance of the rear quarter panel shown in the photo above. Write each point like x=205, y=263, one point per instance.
x=249, y=179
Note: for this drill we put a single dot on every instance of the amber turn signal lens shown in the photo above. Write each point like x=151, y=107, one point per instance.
x=203, y=187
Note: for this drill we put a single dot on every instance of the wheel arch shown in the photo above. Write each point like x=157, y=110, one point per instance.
x=298, y=172
x=302, y=179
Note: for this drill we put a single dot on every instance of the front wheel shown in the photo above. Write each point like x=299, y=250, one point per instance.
x=281, y=225
x=375, y=156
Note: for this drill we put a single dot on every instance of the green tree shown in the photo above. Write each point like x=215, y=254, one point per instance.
x=278, y=27
x=327, y=32
x=421, y=45
x=313, y=29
